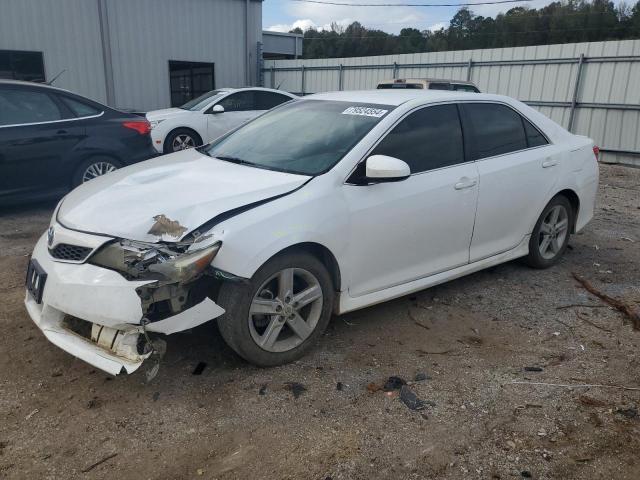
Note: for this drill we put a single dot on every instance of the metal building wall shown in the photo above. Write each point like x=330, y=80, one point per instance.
x=146, y=34
x=66, y=31
x=608, y=94
x=143, y=35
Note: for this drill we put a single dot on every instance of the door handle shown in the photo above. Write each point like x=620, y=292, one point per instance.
x=465, y=183
x=549, y=162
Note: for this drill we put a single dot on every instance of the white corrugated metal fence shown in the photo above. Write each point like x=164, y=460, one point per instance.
x=592, y=89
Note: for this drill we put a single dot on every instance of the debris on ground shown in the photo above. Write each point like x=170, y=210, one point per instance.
x=420, y=376
x=263, y=390
x=373, y=387
x=632, y=313
x=393, y=383
x=630, y=412
x=533, y=369
x=33, y=412
x=95, y=402
x=199, y=368
x=339, y=386
x=590, y=401
x=99, y=462
x=410, y=399
x=155, y=396
x=295, y=388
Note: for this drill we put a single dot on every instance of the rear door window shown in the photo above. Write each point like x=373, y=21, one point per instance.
x=268, y=100
x=427, y=139
x=534, y=137
x=79, y=108
x=18, y=106
x=239, y=102
x=492, y=129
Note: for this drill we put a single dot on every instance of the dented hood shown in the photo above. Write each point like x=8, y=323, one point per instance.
x=167, y=197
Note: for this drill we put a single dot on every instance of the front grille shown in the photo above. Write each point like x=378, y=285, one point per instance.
x=70, y=253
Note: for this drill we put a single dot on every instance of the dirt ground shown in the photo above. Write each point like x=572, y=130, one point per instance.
x=472, y=337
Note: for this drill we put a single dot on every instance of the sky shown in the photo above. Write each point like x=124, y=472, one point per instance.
x=283, y=15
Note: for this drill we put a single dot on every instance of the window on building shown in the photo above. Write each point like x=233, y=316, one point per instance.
x=189, y=80
x=494, y=130
x=22, y=65
x=427, y=139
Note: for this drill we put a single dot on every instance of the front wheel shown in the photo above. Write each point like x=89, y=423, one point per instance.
x=181, y=139
x=279, y=314
x=551, y=234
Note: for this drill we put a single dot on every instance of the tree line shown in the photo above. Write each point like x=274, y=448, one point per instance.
x=558, y=22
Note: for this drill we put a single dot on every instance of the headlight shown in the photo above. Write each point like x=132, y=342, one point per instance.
x=145, y=261
x=187, y=266
x=155, y=123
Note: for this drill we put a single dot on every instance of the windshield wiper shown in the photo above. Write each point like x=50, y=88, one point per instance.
x=237, y=160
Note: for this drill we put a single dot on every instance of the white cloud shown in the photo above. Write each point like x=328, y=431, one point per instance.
x=437, y=26
x=390, y=19
x=305, y=24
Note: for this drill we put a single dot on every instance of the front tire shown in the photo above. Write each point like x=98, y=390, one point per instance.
x=181, y=139
x=278, y=315
x=551, y=234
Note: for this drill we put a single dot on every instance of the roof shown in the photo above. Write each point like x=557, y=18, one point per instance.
x=400, y=96
x=22, y=83
x=427, y=80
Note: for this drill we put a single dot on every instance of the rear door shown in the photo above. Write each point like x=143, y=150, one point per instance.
x=406, y=230
x=517, y=167
x=36, y=134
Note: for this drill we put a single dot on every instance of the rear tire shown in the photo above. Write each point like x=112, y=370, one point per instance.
x=551, y=234
x=92, y=168
x=286, y=324
x=181, y=139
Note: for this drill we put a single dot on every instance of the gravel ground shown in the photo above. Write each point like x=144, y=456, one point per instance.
x=473, y=338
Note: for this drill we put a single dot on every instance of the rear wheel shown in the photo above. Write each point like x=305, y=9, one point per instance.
x=181, y=139
x=93, y=168
x=551, y=234
x=279, y=314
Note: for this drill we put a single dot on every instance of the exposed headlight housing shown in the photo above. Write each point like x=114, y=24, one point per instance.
x=155, y=123
x=160, y=262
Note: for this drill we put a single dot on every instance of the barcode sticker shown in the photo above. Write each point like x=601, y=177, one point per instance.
x=365, y=111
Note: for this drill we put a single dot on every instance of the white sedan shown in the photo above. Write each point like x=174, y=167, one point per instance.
x=209, y=116
x=324, y=205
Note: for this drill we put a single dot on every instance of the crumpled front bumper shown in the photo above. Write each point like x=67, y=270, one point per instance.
x=103, y=298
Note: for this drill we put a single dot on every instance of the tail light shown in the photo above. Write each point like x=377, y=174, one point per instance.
x=143, y=127
x=596, y=151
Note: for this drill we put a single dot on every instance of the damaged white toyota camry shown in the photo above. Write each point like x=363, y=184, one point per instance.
x=327, y=204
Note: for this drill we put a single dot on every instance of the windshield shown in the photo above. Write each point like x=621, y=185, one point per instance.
x=202, y=101
x=306, y=137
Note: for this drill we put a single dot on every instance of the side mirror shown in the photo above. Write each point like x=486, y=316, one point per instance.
x=217, y=109
x=381, y=168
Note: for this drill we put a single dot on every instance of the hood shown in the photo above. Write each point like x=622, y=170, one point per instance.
x=167, y=197
x=167, y=113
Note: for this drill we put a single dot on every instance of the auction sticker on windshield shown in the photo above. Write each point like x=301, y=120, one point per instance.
x=366, y=111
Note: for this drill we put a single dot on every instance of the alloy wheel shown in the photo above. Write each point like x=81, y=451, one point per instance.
x=285, y=310
x=97, y=169
x=553, y=232
x=182, y=141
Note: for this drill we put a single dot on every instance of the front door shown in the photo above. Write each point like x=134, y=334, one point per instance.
x=406, y=230
x=238, y=107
